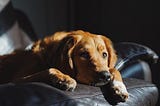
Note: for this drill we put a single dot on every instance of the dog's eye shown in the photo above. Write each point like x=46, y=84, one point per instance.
x=85, y=55
x=104, y=54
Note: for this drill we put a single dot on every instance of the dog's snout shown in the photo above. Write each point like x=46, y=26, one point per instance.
x=104, y=76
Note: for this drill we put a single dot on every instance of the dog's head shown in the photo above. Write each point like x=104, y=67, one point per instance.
x=88, y=57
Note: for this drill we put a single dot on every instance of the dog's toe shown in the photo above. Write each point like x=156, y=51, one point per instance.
x=68, y=84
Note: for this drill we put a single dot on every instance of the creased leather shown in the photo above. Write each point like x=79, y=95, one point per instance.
x=39, y=94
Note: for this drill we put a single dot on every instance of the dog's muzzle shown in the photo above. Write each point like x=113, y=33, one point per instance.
x=103, y=78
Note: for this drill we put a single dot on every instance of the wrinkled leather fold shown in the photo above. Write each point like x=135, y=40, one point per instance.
x=38, y=94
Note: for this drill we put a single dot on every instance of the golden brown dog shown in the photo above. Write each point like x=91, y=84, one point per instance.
x=63, y=59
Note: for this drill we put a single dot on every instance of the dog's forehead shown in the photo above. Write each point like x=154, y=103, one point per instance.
x=98, y=40
x=93, y=41
x=99, y=43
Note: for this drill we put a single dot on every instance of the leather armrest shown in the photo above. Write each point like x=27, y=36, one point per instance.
x=128, y=52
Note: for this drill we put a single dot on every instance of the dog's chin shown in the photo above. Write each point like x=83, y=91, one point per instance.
x=98, y=84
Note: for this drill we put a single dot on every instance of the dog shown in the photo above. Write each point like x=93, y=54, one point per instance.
x=64, y=59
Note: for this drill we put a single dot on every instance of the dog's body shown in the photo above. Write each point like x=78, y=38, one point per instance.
x=63, y=59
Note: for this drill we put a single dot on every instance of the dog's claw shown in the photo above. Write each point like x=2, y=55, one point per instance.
x=120, y=96
x=69, y=84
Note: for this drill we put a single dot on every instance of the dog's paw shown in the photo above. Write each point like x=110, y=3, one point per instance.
x=62, y=81
x=115, y=92
x=120, y=91
x=66, y=83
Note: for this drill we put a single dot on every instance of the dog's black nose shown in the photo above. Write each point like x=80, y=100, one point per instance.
x=104, y=76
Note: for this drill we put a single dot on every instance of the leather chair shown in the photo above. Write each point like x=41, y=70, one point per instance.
x=141, y=92
x=134, y=62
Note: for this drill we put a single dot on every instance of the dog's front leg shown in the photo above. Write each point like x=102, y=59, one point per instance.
x=118, y=87
x=51, y=76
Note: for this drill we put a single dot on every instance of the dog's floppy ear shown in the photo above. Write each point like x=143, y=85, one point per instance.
x=67, y=48
x=112, y=59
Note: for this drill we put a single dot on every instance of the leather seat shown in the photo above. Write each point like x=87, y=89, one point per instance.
x=141, y=92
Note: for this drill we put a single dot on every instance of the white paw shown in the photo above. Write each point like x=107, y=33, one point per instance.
x=120, y=90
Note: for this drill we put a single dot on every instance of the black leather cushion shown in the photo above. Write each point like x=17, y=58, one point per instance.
x=39, y=94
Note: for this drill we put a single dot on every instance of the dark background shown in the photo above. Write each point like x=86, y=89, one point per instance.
x=121, y=20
